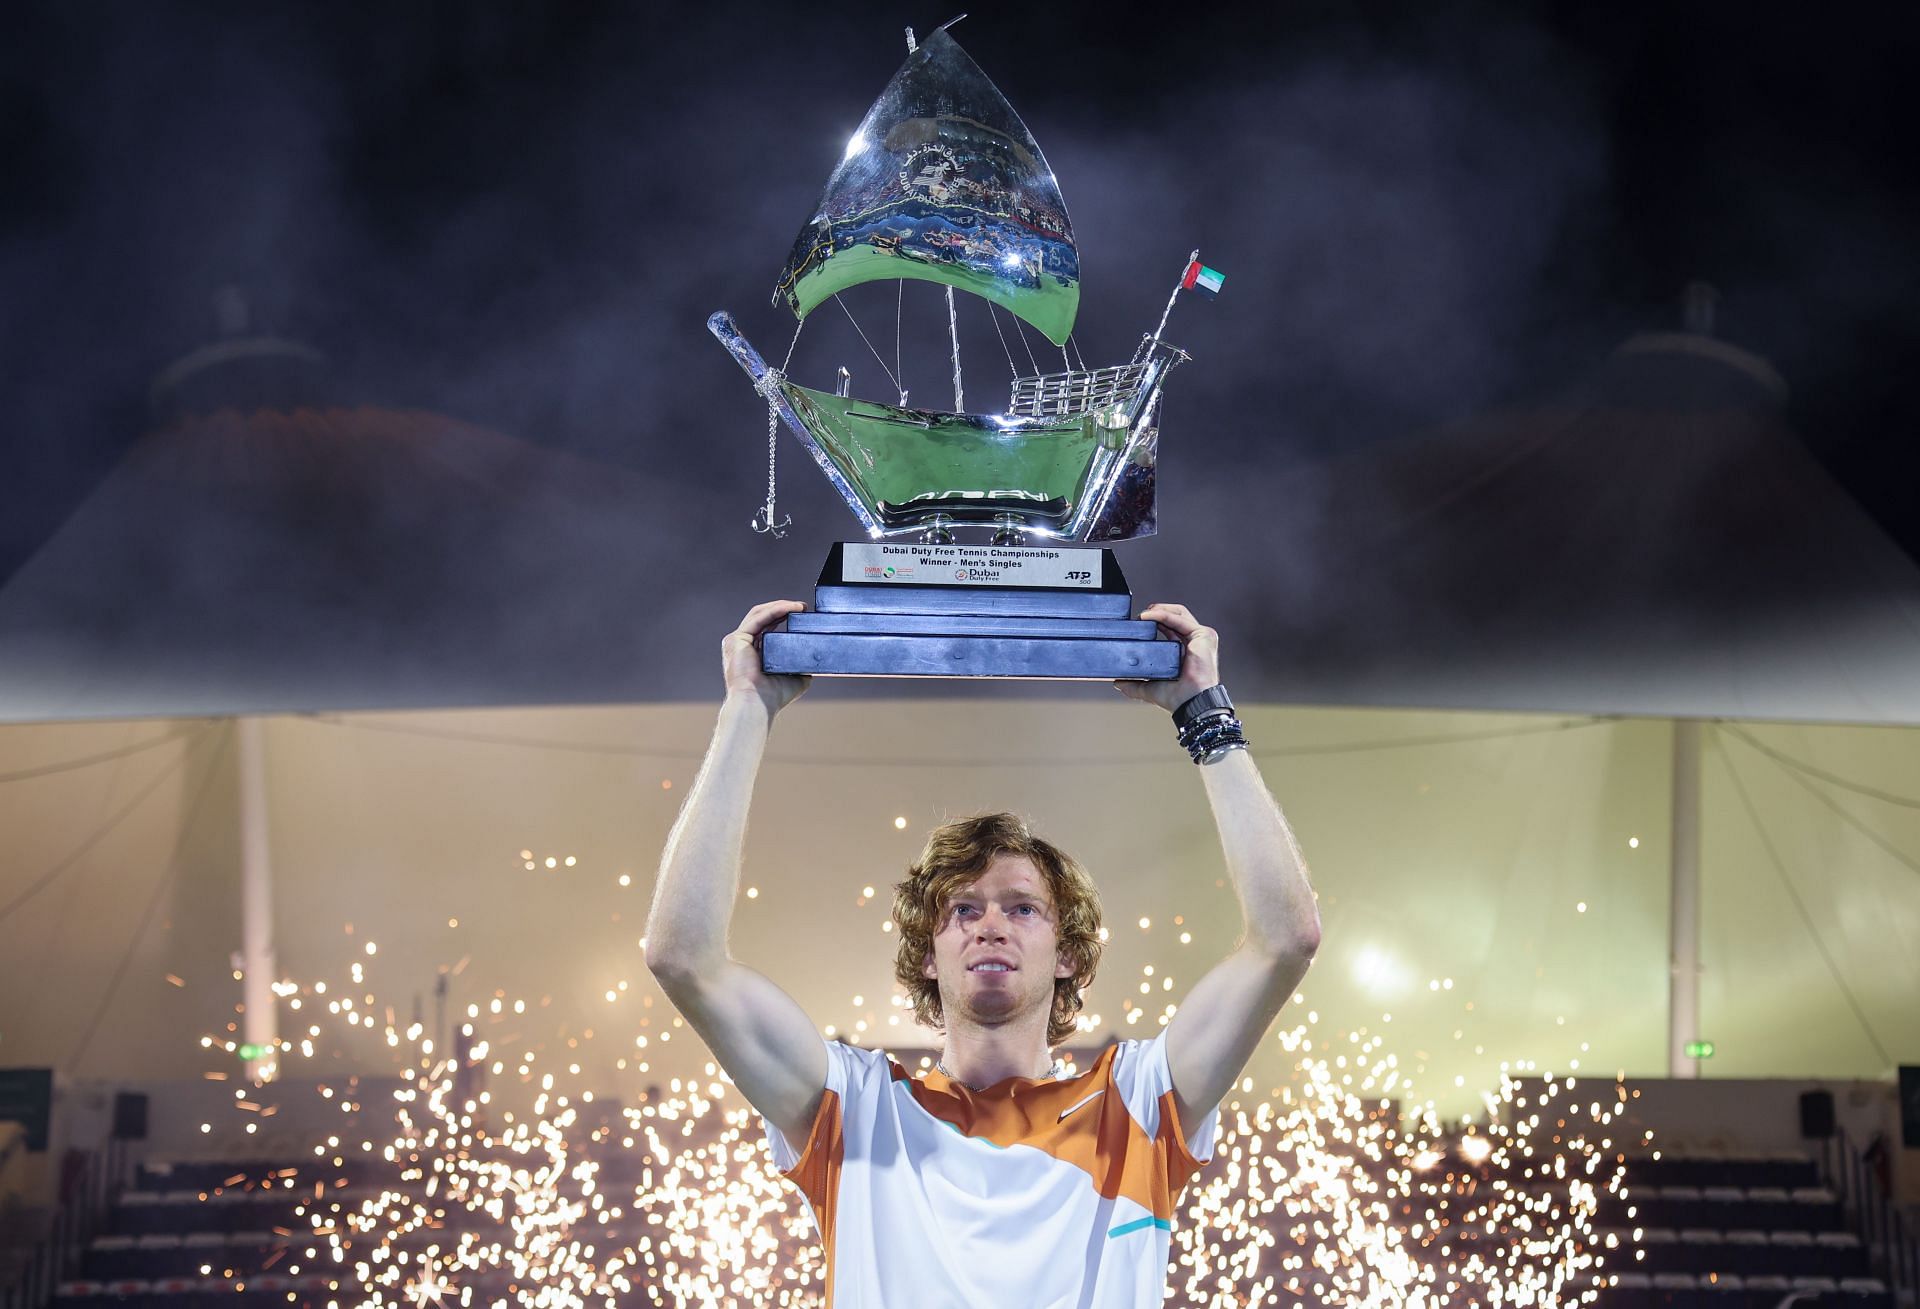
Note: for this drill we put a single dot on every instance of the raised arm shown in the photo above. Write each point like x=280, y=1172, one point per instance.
x=761, y=1037
x=1221, y=1022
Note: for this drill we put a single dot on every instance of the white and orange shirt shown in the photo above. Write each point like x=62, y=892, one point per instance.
x=1046, y=1194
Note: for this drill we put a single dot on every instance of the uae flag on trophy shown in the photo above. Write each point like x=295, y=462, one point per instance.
x=1207, y=281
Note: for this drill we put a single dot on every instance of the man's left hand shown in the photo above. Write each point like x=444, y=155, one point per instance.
x=1199, y=659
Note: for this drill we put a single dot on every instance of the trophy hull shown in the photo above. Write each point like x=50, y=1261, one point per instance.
x=909, y=465
x=1071, y=460
x=917, y=623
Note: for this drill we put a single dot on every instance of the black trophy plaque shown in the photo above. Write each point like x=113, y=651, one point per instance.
x=904, y=610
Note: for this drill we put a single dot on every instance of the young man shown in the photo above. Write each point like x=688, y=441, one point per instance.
x=993, y=1181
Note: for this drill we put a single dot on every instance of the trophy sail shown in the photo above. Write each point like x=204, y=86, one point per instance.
x=943, y=183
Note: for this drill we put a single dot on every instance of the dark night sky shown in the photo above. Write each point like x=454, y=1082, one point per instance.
x=521, y=215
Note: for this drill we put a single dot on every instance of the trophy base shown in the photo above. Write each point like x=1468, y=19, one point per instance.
x=965, y=611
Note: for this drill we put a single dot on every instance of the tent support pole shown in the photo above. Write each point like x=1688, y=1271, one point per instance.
x=261, y=1022
x=1683, y=983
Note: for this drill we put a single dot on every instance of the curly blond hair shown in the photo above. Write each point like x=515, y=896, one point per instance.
x=956, y=854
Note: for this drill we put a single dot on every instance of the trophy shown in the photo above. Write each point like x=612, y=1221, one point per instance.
x=943, y=183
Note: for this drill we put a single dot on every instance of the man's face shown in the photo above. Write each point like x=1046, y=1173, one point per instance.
x=995, y=951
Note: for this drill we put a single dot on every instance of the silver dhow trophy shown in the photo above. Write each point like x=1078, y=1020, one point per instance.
x=943, y=183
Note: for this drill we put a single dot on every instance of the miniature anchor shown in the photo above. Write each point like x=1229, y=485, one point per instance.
x=764, y=521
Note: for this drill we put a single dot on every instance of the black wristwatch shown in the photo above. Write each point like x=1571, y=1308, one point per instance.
x=1211, y=701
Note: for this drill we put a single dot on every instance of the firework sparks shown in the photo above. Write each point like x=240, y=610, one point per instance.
x=1329, y=1188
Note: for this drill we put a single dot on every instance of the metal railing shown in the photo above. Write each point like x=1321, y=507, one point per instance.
x=1892, y=1248
x=75, y=1218
x=1054, y=395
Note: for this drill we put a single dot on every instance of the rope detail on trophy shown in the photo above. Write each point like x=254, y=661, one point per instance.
x=878, y=357
x=768, y=518
x=953, y=330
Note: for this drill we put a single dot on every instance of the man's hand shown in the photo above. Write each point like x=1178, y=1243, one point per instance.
x=740, y=658
x=1199, y=660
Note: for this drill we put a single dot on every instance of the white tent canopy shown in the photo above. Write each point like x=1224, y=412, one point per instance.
x=1495, y=883
x=1494, y=886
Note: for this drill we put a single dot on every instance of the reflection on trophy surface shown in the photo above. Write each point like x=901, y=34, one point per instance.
x=943, y=183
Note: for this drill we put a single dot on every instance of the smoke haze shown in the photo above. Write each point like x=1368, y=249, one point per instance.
x=520, y=219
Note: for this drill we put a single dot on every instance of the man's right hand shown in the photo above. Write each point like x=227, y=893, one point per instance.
x=766, y=1042
x=740, y=658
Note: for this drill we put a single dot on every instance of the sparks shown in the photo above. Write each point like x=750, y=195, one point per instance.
x=532, y=1192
